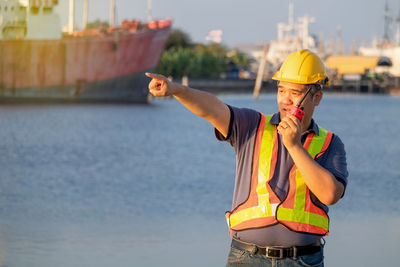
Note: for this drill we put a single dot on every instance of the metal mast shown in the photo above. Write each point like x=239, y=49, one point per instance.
x=149, y=10
x=291, y=17
x=387, y=24
x=112, y=14
x=71, y=21
x=398, y=29
x=85, y=13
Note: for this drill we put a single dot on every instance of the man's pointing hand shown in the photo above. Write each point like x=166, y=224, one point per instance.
x=160, y=85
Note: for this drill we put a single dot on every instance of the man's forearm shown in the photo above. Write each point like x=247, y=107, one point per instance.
x=200, y=103
x=319, y=180
x=204, y=105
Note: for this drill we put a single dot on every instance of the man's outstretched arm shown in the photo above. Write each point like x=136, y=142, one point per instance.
x=200, y=103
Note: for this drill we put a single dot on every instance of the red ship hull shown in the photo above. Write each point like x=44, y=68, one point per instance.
x=90, y=68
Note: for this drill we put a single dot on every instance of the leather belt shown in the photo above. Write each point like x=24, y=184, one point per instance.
x=276, y=252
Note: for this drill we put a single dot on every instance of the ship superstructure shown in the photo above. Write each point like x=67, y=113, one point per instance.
x=29, y=19
x=38, y=61
x=291, y=37
x=389, y=45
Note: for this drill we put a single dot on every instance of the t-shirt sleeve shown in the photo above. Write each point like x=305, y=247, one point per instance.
x=334, y=160
x=243, y=124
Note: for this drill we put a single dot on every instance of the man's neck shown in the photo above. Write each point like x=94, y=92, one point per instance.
x=305, y=125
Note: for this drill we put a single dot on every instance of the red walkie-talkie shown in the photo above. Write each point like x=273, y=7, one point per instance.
x=297, y=111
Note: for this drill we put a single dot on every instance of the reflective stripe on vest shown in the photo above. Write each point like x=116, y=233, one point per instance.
x=297, y=211
x=260, y=207
x=263, y=207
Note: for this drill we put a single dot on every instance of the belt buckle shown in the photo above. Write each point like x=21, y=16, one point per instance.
x=271, y=253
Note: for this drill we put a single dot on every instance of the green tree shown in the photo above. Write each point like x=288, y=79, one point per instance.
x=178, y=38
x=208, y=61
x=182, y=58
x=240, y=59
x=175, y=62
x=97, y=24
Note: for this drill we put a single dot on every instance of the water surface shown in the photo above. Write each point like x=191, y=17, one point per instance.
x=147, y=185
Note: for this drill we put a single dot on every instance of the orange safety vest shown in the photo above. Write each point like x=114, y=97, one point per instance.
x=263, y=208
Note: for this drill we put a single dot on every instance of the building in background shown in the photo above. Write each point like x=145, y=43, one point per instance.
x=389, y=45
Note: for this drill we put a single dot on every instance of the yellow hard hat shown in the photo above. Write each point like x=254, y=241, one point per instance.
x=303, y=67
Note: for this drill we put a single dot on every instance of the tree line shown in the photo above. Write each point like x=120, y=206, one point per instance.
x=182, y=57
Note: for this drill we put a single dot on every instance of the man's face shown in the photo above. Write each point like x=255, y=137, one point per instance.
x=289, y=94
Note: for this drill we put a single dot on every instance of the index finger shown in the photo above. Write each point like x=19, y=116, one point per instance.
x=155, y=76
x=293, y=118
x=293, y=121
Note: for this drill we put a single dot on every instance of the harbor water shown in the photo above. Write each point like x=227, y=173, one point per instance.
x=148, y=185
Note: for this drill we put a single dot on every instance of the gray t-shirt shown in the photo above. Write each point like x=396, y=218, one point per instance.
x=242, y=132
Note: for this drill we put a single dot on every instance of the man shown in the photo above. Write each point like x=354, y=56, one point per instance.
x=287, y=170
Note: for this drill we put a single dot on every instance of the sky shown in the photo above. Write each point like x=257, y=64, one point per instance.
x=250, y=21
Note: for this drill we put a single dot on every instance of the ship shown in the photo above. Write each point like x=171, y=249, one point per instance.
x=376, y=68
x=292, y=37
x=388, y=46
x=40, y=62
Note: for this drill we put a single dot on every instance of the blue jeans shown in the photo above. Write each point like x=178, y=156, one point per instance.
x=238, y=257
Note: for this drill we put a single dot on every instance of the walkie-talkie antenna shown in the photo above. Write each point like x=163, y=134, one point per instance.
x=304, y=96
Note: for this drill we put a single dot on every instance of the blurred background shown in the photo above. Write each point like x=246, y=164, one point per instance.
x=97, y=172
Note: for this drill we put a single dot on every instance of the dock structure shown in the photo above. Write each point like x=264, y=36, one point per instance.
x=360, y=86
x=218, y=86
